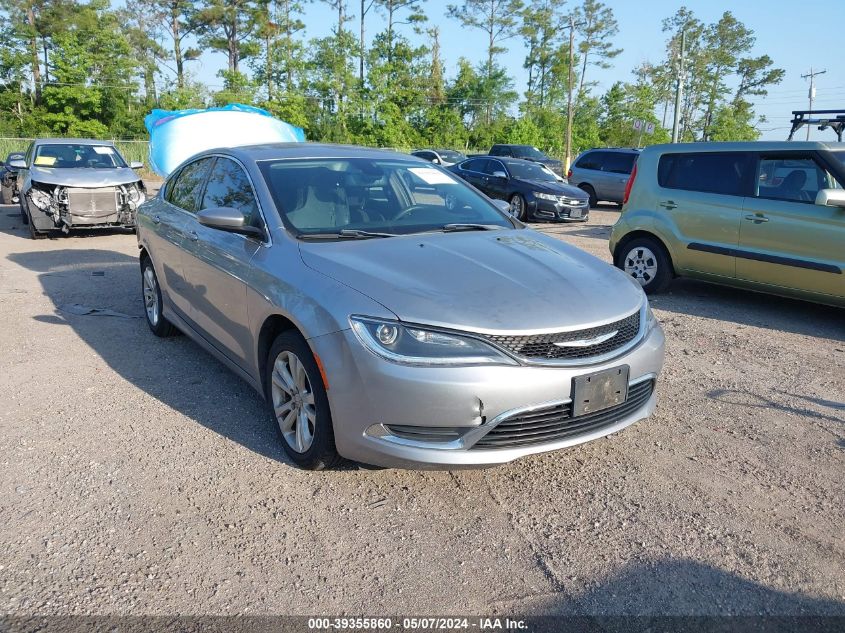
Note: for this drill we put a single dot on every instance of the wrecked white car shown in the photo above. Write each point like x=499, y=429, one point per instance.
x=71, y=184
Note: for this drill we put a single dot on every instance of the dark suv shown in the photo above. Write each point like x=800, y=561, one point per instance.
x=528, y=152
x=603, y=173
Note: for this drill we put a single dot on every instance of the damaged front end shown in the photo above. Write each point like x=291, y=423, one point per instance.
x=66, y=208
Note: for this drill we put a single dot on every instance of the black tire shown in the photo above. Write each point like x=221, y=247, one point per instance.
x=24, y=216
x=521, y=213
x=646, y=261
x=321, y=453
x=159, y=325
x=590, y=192
x=5, y=194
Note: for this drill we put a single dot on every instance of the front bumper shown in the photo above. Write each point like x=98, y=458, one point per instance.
x=373, y=401
x=551, y=211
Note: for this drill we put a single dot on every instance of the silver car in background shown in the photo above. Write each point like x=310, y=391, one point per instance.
x=70, y=184
x=391, y=314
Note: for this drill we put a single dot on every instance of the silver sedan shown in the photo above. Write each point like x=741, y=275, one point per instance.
x=391, y=314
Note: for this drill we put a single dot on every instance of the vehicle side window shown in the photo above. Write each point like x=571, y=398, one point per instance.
x=590, y=161
x=619, y=163
x=184, y=191
x=228, y=186
x=492, y=166
x=28, y=158
x=474, y=164
x=725, y=173
x=797, y=178
x=497, y=150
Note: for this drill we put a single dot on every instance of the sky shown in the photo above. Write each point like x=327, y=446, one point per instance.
x=797, y=36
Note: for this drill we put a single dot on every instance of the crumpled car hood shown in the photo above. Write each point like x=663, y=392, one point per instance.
x=491, y=281
x=83, y=176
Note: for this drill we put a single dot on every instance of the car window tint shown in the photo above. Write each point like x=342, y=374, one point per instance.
x=797, y=179
x=184, y=191
x=708, y=172
x=228, y=186
x=474, y=164
x=590, y=161
x=619, y=162
x=492, y=166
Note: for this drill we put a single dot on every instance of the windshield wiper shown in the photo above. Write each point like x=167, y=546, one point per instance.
x=448, y=228
x=350, y=233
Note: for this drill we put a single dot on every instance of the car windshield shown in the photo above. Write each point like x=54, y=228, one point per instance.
x=327, y=196
x=526, y=151
x=75, y=155
x=529, y=171
x=12, y=157
x=451, y=156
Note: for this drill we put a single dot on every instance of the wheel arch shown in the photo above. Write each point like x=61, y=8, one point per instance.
x=272, y=326
x=629, y=237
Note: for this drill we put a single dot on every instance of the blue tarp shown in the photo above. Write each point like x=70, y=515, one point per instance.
x=176, y=135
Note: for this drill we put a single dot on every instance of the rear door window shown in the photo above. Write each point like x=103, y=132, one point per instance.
x=726, y=173
x=475, y=164
x=593, y=160
x=184, y=190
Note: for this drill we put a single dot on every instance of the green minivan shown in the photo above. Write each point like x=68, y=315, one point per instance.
x=767, y=216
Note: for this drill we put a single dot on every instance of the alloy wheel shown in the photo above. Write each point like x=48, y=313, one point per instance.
x=151, y=296
x=641, y=264
x=517, y=206
x=293, y=401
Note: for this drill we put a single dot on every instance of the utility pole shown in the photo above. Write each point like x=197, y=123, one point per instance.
x=812, y=94
x=570, y=113
x=679, y=89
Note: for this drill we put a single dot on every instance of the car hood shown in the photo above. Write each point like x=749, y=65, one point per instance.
x=508, y=281
x=557, y=188
x=83, y=176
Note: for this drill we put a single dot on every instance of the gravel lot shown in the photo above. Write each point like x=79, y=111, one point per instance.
x=140, y=477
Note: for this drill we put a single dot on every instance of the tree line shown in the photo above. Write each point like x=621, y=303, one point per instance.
x=86, y=68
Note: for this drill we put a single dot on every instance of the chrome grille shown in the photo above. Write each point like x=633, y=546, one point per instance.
x=541, y=347
x=554, y=423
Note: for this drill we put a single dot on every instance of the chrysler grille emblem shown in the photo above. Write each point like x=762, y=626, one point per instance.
x=587, y=342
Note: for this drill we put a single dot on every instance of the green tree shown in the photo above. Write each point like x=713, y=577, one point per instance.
x=227, y=26
x=596, y=27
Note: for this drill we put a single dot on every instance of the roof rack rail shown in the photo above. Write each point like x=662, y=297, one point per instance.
x=833, y=119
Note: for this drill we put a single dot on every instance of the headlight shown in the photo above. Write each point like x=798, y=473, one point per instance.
x=40, y=199
x=135, y=194
x=413, y=345
x=545, y=196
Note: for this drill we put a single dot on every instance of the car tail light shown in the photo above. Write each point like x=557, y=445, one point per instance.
x=629, y=185
x=569, y=174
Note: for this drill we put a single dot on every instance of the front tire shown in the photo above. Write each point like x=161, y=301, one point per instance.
x=151, y=291
x=592, y=193
x=646, y=260
x=518, y=207
x=299, y=403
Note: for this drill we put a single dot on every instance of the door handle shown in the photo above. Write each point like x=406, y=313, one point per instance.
x=192, y=235
x=156, y=219
x=669, y=204
x=757, y=219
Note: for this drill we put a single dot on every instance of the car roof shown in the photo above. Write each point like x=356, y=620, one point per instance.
x=71, y=141
x=746, y=146
x=630, y=150
x=274, y=151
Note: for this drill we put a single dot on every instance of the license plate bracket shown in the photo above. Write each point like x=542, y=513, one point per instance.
x=600, y=390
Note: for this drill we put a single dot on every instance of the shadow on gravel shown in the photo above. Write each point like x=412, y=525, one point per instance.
x=175, y=370
x=745, y=398
x=721, y=303
x=685, y=595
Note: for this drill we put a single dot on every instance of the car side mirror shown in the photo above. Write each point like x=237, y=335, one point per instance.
x=499, y=174
x=228, y=219
x=831, y=198
x=503, y=206
x=136, y=165
x=17, y=163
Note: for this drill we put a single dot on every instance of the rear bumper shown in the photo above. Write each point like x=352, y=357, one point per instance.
x=371, y=397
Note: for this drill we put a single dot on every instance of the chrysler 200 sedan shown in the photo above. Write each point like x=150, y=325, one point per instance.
x=391, y=314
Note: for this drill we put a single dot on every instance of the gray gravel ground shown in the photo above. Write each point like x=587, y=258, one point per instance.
x=138, y=476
